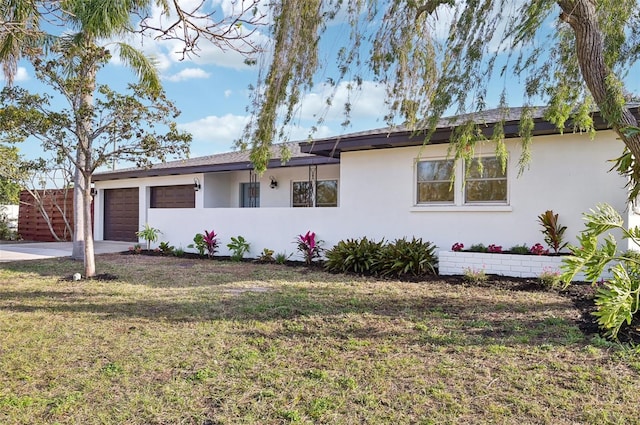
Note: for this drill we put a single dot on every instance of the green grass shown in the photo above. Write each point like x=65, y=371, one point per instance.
x=180, y=341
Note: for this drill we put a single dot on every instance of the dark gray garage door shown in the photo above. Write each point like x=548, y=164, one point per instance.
x=180, y=196
x=121, y=214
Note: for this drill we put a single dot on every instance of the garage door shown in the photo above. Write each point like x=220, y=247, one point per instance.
x=121, y=214
x=180, y=196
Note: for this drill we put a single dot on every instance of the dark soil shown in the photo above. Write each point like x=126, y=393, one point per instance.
x=580, y=293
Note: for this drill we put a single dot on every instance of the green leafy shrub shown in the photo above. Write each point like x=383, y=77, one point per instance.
x=6, y=232
x=238, y=246
x=478, y=247
x=403, y=257
x=354, y=255
x=267, y=256
x=206, y=241
x=198, y=243
x=549, y=278
x=282, y=257
x=552, y=230
x=149, y=234
x=165, y=248
x=617, y=299
x=474, y=276
x=519, y=249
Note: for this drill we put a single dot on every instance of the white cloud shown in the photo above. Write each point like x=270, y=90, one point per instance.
x=214, y=134
x=188, y=74
x=301, y=133
x=20, y=76
x=227, y=93
x=366, y=101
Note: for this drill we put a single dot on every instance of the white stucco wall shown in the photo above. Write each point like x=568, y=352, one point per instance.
x=568, y=174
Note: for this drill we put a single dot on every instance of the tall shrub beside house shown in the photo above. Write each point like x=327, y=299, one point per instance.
x=617, y=298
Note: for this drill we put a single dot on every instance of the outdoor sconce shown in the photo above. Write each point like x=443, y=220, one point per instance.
x=274, y=183
x=94, y=192
x=196, y=184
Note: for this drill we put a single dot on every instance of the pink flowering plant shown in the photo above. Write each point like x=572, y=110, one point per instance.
x=456, y=247
x=496, y=249
x=211, y=242
x=207, y=241
x=538, y=249
x=309, y=246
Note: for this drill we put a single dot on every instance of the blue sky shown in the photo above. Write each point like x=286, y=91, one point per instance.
x=211, y=90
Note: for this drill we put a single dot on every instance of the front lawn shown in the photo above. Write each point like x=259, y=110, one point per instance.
x=165, y=340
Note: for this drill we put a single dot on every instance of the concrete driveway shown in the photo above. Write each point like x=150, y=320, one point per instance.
x=37, y=250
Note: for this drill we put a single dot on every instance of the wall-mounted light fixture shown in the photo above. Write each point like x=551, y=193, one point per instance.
x=196, y=184
x=94, y=192
x=274, y=183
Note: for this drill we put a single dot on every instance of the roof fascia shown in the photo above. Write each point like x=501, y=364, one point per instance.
x=333, y=147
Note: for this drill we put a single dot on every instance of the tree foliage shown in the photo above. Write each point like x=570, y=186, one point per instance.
x=9, y=187
x=26, y=24
x=441, y=56
x=136, y=127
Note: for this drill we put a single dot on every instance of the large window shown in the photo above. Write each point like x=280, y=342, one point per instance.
x=483, y=182
x=435, y=180
x=324, y=195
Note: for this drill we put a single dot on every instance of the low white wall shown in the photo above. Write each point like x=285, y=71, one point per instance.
x=514, y=265
x=272, y=228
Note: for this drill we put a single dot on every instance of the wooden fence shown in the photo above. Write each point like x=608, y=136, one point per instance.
x=32, y=225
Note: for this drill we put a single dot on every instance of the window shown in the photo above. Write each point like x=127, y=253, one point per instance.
x=434, y=181
x=326, y=194
x=484, y=182
x=181, y=196
x=249, y=195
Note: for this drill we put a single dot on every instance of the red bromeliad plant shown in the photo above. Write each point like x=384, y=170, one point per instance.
x=211, y=242
x=456, y=247
x=309, y=246
x=496, y=249
x=538, y=249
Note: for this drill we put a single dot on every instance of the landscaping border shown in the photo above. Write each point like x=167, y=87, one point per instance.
x=513, y=265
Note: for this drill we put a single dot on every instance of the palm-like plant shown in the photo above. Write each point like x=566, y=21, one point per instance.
x=80, y=52
x=84, y=51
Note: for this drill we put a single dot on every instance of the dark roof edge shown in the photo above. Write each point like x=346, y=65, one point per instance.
x=332, y=147
x=210, y=168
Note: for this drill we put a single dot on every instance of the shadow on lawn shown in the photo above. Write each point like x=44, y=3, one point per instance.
x=444, y=318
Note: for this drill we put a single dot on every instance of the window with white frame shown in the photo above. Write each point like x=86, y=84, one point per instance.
x=484, y=182
x=324, y=195
x=435, y=179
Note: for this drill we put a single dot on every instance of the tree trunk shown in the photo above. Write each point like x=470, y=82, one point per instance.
x=89, y=255
x=78, y=210
x=605, y=87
